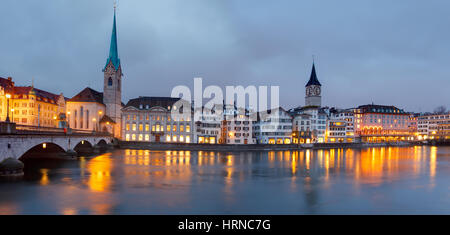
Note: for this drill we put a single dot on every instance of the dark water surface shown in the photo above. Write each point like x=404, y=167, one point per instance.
x=410, y=180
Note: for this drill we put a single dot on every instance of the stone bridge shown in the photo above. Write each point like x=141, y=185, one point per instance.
x=17, y=145
x=18, y=142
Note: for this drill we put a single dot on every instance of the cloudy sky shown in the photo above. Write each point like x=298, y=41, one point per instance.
x=381, y=51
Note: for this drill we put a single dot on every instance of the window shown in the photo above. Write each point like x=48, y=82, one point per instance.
x=127, y=137
x=147, y=127
x=133, y=137
x=147, y=137
x=141, y=137
x=134, y=126
x=174, y=138
x=110, y=82
x=181, y=128
x=168, y=128
x=168, y=138
x=174, y=128
x=141, y=127
x=181, y=138
x=188, y=128
x=127, y=127
x=188, y=139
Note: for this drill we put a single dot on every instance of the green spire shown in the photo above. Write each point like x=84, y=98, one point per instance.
x=113, y=52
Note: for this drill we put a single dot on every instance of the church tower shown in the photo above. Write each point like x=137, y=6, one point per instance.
x=112, y=87
x=313, y=90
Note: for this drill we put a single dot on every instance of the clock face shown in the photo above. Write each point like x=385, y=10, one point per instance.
x=317, y=91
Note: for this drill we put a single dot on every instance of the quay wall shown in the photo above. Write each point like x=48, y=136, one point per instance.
x=252, y=147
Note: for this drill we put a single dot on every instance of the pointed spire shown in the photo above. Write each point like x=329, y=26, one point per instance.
x=313, y=79
x=113, y=51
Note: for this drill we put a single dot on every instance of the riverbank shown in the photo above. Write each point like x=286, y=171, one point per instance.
x=253, y=147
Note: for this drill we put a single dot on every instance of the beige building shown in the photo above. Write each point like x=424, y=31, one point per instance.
x=31, y=106
x=150, y=119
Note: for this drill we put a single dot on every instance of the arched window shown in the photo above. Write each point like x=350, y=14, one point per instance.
x=110, y=82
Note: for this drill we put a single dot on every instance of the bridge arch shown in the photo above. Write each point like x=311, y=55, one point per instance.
x=43, y=150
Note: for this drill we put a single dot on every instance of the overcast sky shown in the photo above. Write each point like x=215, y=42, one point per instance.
x=381, y=51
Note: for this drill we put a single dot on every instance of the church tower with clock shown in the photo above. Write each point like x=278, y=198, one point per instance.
x=313, y=90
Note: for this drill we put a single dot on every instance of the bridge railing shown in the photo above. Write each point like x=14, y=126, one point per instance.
x=26, y=129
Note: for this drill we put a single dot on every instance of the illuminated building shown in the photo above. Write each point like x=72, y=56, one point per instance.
x=31, y=106
x=237, y=127
x=273, y=127
x=150, y=119
x=380, y=123
x=340, y=127
x=433, y=126
x=208, y=130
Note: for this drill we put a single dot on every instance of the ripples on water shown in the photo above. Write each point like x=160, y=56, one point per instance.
x=413, y=180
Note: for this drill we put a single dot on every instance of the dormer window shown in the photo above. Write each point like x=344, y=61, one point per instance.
x=147, y=107
x=141, y=106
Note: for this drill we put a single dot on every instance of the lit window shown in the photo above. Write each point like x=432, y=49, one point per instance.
x=134, y=126
x=168, y=128
x=153, y=128
x=158, y=127
x=141, y=127
x=127, y=137
x=181, y=138
x=141, y=137
x=133, y=137
x=147, y=137
x=188, y=139
x=174, y=138
x=188, y=128
x=181, y=128
x=128, y=127
x=168, y=138
x=174, y=128
x=147, y=127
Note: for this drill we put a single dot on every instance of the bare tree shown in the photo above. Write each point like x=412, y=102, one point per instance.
x=440, y=110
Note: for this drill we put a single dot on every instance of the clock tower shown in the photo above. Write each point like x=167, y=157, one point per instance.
x=313, y=90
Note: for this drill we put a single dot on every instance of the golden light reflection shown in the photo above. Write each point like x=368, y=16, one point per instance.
x=44, y=178
x=100, y=173
x=433, y=156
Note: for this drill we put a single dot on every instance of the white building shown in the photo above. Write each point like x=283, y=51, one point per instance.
x=340, y=127
x=433, y=126
x=273, y=127
x=237, y=127
x=209, y=128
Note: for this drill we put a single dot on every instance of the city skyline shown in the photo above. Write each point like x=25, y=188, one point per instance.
x=76, y=51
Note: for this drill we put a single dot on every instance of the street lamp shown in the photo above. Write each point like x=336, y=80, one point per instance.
x=8, y=96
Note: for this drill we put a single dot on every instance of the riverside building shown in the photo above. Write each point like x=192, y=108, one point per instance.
x=273, y=127
x=149, y=119
x=381, y=123
x=433, y=126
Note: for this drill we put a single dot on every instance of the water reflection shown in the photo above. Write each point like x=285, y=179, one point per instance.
x=308, y=181
x=99, y=169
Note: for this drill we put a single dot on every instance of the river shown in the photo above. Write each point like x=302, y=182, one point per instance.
x=390, y=180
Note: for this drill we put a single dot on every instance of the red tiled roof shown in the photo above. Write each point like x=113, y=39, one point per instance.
x=25, y=90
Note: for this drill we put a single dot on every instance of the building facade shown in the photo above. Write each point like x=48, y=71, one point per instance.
x=31, y=106
x=433, y=126
x=381, y=123
x=340, y=127
x=150, y=119
x=273, y=127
